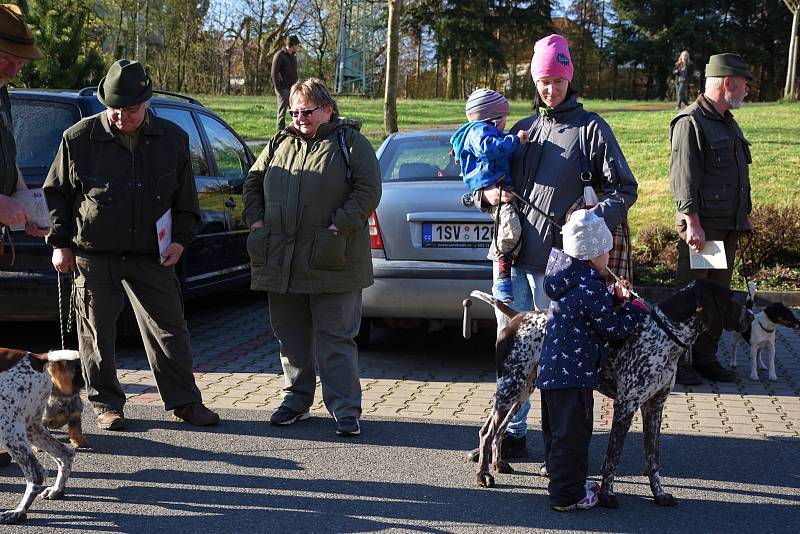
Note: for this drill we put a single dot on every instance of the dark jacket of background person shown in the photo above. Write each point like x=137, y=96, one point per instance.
x=104, y=199
x=709, y=168
x=547, y=172
x=299, y=188
x=582, y=320
x=284, y=69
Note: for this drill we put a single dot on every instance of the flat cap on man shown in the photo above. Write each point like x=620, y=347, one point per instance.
x=728, y=64
x=126, y=85
x=15, y=36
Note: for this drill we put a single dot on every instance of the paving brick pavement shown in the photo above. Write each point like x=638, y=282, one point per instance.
x=441, y=377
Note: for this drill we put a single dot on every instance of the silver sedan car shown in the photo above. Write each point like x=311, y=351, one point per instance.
x=429, y=242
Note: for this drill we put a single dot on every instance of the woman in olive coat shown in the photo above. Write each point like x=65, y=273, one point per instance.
x=307, y=200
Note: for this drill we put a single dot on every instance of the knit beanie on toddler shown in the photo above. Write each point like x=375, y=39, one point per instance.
x=551, y=58
x=586, y=236
x=484, y=104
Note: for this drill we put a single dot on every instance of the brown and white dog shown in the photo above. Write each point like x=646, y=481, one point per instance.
x=25, y=386
x=64, y=407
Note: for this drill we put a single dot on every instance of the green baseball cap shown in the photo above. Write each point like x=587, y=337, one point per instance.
x=126, y=85
x=728, y=64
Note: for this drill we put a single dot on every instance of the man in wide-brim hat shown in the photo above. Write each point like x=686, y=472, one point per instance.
x=17, y=48
x=115, y=175
x=710, y=182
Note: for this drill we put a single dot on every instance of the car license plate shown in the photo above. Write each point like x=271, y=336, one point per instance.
x=456, y=235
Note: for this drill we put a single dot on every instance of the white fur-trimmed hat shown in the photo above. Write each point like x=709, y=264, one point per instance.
x=586, y=236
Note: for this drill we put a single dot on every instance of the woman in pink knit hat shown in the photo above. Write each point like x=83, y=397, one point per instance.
x=570, y=154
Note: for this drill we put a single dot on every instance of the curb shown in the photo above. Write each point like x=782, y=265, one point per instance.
x=788, y=298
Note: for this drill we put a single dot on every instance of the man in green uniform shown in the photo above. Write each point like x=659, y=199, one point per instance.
x=116, y=173
x=711, y=186
x=17, y=48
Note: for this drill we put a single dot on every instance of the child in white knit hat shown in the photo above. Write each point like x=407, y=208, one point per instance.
x=483, y=152
x=582, y=321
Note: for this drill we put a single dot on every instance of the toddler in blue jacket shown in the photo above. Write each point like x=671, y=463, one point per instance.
x=582, y=321
x=483, y=152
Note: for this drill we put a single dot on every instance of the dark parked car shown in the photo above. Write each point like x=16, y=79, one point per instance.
x=217, y=259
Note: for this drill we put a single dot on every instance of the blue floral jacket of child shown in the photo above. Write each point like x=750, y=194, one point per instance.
x=483, y=153
x=582, y=321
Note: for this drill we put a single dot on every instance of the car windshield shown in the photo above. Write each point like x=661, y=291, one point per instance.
x=38, y=126
x=418, y=159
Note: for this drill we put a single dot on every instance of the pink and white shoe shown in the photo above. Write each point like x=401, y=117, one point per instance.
x=591, y=498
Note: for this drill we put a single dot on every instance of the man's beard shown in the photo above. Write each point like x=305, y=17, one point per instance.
x=732, y=102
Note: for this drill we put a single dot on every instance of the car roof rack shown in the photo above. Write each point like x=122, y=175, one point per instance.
x=88, y=91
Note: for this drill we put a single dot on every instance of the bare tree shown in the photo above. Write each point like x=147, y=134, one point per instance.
x=791, y=68
x=392, y=52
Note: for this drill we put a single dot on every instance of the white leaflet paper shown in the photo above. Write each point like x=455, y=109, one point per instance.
x=164, y=233
x=34, y=200
x=711, y=257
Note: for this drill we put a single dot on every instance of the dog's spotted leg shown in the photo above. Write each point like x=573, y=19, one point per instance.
x=623, y=417
x=498, y=464
x=59, y=452
x=33, y=472
x=485, y=437
x=652, y=411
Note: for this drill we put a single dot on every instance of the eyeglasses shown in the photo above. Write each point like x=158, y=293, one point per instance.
x=306, y=112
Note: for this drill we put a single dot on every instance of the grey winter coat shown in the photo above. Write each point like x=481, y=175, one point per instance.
x=299, y=187
x=547, y=172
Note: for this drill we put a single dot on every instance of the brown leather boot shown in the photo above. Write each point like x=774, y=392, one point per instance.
x=111, y=420
x=197, y=414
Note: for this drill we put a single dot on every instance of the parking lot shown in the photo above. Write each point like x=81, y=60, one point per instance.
x=411, y=374
x=729, y=451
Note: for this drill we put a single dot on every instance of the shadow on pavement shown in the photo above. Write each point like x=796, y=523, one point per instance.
x=405, y=475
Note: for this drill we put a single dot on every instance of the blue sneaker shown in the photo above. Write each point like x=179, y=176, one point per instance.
x=502, y=290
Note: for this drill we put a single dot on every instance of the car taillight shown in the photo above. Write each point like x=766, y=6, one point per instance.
x=375, y=241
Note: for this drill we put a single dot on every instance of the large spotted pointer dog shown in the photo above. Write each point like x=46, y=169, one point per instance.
x=638, y=375
x=25, y=386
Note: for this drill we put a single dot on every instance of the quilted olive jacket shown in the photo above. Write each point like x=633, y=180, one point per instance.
x=299, y=187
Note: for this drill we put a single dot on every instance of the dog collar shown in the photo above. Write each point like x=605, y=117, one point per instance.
x=764, y=328
x=663, y=326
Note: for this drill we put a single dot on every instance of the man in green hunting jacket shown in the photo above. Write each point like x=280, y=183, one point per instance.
x=116, y=173
x=710, y=183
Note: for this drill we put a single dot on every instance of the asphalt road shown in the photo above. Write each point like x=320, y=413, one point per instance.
x=400, y=475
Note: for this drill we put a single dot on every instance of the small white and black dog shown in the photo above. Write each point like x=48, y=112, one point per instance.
x=761, y=335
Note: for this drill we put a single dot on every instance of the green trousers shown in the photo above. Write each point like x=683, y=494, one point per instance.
x=704, y=350
x=319, y=329
x=155, y=295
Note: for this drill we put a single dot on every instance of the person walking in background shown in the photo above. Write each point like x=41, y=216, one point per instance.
x=681, y=73
x=17, y=48
x=710, y=183
x=566, y=143
x=483, y=152
x=115, y=174
x=284, y=75
x=307, y=200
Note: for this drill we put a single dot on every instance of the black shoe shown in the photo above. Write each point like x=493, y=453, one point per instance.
x=286, y=416
x=717, y=373
x=687, y=376
x=511, y=448
x=5, y=459
x=347, y=426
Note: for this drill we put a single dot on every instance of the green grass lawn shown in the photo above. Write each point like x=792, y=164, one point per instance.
x=642, y=129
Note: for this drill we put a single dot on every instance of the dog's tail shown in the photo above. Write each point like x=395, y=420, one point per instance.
x=499, y=305
x=62, y=355
x=751, y=294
